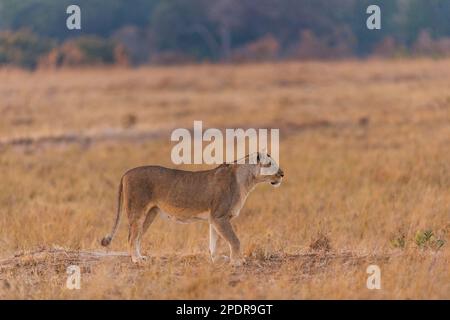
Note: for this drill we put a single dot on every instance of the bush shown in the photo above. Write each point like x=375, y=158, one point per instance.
x=387, y=48
x=262, y=49
x=84, y=51
x=336, y=46
x=425, y=45
x=22, y=48
x=427, y=239
x=139, y=43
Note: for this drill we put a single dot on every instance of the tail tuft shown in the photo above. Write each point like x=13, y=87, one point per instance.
x=106, y=241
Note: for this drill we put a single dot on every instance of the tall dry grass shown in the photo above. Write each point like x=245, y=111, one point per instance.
x=364, y=146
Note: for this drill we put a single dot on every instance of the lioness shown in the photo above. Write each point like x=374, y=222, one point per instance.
x=215, y=195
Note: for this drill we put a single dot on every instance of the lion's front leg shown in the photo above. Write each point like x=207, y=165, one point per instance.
x=225, y=229
x=213, y=240
x=213, y=236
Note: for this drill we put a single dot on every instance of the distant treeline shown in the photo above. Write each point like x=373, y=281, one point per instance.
x=33, y=32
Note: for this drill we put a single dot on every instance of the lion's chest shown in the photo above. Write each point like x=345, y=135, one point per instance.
x=239, y=203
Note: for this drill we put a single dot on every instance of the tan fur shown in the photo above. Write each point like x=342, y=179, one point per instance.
x=215, y=195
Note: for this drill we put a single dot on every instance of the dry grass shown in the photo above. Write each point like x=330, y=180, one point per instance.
x=364, y=148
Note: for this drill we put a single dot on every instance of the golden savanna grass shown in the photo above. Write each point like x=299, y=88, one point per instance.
x=364, y=146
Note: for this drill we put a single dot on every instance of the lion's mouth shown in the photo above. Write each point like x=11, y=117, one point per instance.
x=276, y=183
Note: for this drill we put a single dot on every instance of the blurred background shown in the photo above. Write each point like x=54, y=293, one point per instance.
x=33, y=33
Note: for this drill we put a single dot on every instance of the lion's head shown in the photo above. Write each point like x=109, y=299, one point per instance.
x=264, y=168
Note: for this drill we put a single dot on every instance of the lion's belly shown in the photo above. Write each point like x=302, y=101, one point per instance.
x=183, y=215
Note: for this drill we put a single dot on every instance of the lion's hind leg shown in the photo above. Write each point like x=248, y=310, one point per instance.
x=138, y=227
x=134, y=240
x=136, y=216
x=149, y=218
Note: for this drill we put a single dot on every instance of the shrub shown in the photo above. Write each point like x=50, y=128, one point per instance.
x=22, y=48
x=87, y=50
x=425, y=45
x=263, y=49
x=427, y=239
x=398, y=240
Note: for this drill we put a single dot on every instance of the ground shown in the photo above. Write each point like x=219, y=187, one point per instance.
x=363, y=147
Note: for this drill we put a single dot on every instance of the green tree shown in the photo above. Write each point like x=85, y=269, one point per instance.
x=183, y=26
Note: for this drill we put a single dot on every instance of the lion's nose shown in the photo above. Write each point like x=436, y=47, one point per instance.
x=281, y=173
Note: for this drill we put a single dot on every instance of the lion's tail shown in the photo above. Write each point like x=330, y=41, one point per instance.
x=107, y=240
